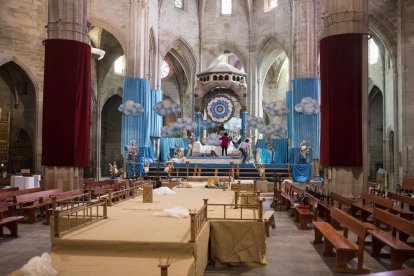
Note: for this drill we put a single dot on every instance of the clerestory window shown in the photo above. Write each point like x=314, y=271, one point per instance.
x=226, y=7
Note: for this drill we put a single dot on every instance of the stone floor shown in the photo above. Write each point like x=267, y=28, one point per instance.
x=289, y=252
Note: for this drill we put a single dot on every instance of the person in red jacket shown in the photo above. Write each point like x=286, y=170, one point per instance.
x=225, y=141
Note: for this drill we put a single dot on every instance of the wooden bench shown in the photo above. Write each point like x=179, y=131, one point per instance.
x=401, y=204
x=305, y=215
x=407, y=185
x=10, y=222
x=368, y=203
x=334, y=200
x=10, y=195
x=400, y=250
x=29, y=203
x=269, y=220
x=291, y=194
x=345, y=249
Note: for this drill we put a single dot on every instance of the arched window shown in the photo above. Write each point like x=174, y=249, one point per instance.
x=120, y=65
x=269, y=5
x=165, y=69
x=179, y=4
x=373, y=52
x=226, y=7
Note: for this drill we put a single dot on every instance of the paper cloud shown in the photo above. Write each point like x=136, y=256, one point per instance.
x=131, y=108
x=166, y=108
x=207, y=124
x=274, y=131
x=277, y=108
x=212, y=139
x=174, y=129
x=308, y=106
x=254, y=122
x=233, y=123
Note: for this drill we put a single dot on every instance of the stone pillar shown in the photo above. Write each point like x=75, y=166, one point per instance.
x=406, y=86
x=349, y=17
x=138, y=40
x=67, y=19
x=304, y=39
x=98, y=138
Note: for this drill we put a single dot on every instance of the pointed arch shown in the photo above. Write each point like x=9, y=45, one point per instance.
x=103, y=24
x=232, y=47
x=271, y=47
x=184, y=54
x=26, y=70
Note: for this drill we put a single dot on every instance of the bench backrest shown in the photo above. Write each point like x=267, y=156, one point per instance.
x=341, y=200
x=99, y=183
x=36, y=196
x=377, y=200
x=408, y=183
x=396, y=222
x=3, y=208
x=70, y=193
x=349, y=222
x=9, y=190
x=295, y=191
x=401, y=198
x=12, y=194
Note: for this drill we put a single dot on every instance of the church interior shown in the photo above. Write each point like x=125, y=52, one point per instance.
x=195, y=137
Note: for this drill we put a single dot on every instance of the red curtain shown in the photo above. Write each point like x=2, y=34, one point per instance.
x=66, y=103
x=341, y=100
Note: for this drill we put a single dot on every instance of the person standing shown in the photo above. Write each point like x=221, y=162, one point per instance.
x=225, y=142
x=244, y=148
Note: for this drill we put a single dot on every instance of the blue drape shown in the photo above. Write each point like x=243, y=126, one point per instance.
x=156, y=120
x=295, y=157
x=305, y=126
x=301, y=173
x=243, y=125
x=265, y=155
x=289, y=123
x=137, y=127
x=167, y=143
x=281, y=150
x=197, y=120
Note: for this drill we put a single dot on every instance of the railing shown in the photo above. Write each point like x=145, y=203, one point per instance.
x=72, y=213
x=124, y=194
x=199, y=218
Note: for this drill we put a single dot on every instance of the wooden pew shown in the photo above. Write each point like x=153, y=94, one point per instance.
x=368, y=203
x=291, y=194
x=334, y=200
x=10, y=196
x=60, y=197
x=305, y=215
x=407, y=185
x=402, y=202
x=29, y=203
x=11, y=189
x=345, y=249
x=400, y=250
x=10, y=222
x=401, y=272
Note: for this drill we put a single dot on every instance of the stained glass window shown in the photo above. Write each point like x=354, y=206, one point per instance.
x=165, y=69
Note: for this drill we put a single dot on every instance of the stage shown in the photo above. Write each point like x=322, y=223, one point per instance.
x=131, y=240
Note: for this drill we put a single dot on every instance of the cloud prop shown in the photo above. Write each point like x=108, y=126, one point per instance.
x=166, y=108
x=131, y=108
x=277, y=108
x=207, y=124
x=308, y=106
x=173, y=129
x=254, y=122
x=233, y=123
x=274, y=131
x=212, y=139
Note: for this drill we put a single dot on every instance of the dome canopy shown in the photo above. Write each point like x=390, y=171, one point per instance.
x=222, y=67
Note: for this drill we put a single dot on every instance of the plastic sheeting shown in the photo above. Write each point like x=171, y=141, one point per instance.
x=137, y=127
x=304, y=126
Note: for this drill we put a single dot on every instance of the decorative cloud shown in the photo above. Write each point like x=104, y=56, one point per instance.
x=212, y=139
x=233, y=123
x=173, y=129
x=254, y=122
x=274, y=131
x=207, y=124
x=166, y=108
x=308, y=106
x=131, y=108
x=277, y=108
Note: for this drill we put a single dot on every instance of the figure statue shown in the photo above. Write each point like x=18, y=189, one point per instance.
x=113, y=170
x=304, y=152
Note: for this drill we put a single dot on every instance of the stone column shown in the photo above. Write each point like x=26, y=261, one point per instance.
x=67, y=19
x=304, y=39
x=350, y=17
x=406, y=86
x=138, y=39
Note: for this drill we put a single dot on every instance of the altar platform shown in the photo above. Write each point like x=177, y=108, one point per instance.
x=131, y=240
x=213, y=160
